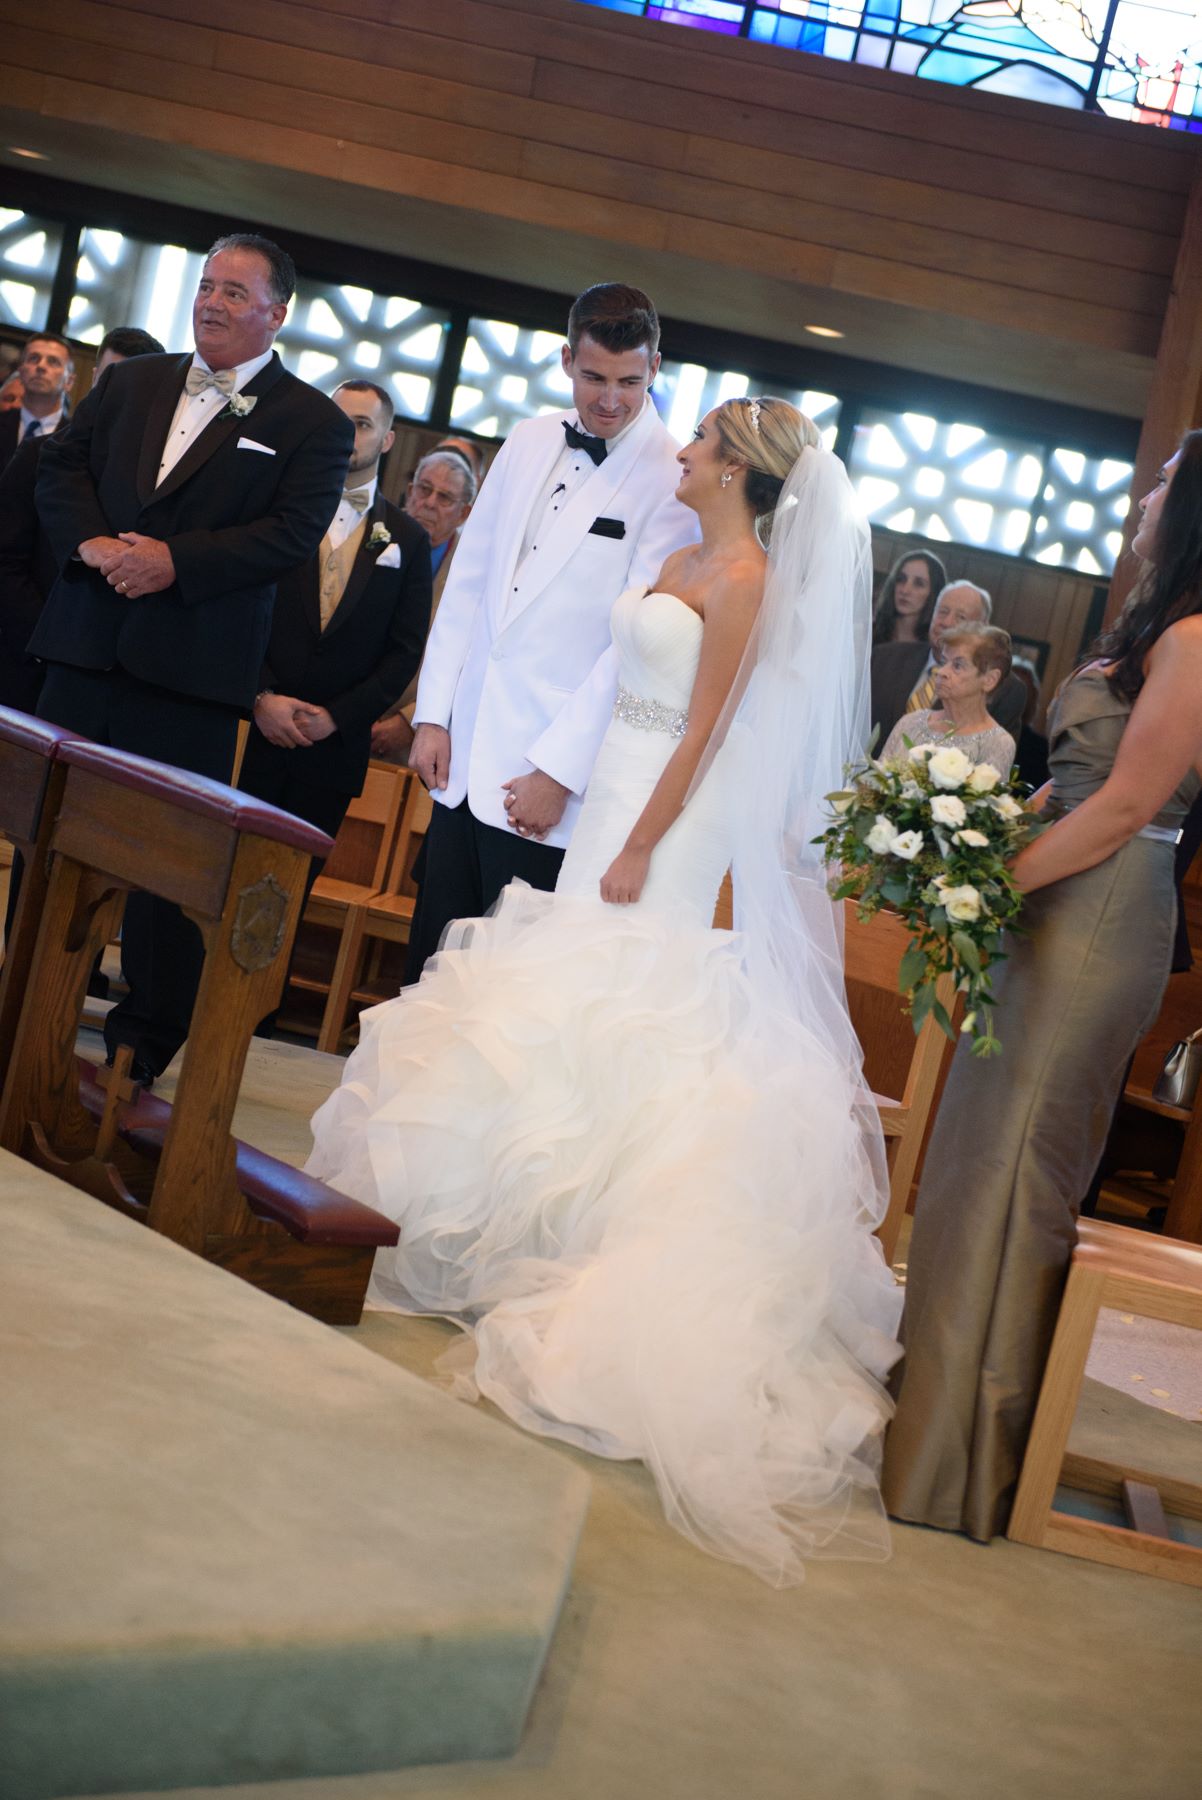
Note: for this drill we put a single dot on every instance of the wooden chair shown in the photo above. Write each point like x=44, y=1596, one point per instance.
x=902, y=1069
x=237, y=868
x=896, y=1061
x=355, y=871
x=31, y=786
x=1156, y=1279
x=385, y=918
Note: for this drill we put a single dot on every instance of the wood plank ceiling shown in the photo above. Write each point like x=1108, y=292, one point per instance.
x=986, y=239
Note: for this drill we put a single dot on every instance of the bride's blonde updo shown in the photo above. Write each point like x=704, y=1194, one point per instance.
x=768, y=435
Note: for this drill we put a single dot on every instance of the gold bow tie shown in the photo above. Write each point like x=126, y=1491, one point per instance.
x=199, y=379
x=359, y=498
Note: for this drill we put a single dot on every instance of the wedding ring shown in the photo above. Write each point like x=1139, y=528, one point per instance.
x=123, y=585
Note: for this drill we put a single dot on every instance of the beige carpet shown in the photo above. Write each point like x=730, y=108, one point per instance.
x=954, y=1672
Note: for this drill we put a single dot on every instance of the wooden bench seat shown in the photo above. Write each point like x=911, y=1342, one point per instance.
x=236, y=867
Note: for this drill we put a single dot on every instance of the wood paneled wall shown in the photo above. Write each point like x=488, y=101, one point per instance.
x=1020, y=245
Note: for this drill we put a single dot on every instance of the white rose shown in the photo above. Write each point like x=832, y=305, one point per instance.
x=880, y=838
x=907, y=845
x=972, y=840
x=947, y=810
x=963, y=904
x=1007, y=807
x=983, y=779
x=920, y=752
x=949, y=767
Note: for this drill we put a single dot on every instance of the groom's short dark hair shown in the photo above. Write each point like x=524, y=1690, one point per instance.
x=615, y=316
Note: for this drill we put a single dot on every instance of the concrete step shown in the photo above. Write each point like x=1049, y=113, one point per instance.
x=238, y=1547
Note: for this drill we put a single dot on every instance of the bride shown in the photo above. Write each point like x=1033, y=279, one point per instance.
x=634, y=1156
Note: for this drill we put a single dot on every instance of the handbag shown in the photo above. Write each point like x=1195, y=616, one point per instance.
x=1177, y=1083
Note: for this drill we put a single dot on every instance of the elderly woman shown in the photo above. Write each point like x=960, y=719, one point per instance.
x=907, y=599
x=975, y=661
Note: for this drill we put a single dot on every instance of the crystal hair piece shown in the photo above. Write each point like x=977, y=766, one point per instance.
x=753, y=407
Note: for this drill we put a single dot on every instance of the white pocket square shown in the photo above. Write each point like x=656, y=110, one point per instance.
x=250, y=444
x=390, y=558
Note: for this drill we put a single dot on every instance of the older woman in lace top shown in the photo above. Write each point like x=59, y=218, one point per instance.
x=974, y=661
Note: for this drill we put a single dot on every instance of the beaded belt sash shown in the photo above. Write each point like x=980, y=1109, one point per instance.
x=649, y=715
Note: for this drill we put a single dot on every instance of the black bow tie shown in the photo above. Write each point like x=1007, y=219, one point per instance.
x=580, y=440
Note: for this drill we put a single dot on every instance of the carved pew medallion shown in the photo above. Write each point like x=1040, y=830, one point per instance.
x=236, y=868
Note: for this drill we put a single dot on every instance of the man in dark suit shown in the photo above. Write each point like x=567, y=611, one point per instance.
x=902, y=674
x=28, y=569
x=47, y=372
x=439, y=497
x=182, y=490
x=346, y=639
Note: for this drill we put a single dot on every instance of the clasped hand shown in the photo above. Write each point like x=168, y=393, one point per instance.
x=290, y=723
x=133, y=564
x=534, y=803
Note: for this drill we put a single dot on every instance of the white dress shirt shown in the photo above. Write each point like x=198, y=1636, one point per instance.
x=346, y=518
x=195, y=411
x=50, y=423
x=569, y=469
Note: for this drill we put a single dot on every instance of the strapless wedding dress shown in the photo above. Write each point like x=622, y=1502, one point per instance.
x=646, y=1200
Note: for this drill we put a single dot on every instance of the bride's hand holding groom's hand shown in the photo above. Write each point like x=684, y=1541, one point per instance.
x=626, y=876
x=534, y=803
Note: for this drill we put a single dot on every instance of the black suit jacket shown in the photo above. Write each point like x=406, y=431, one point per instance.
x=360, y=664
x=10, y=434
x=897, y=667
x=28, y=571
x=235, y=519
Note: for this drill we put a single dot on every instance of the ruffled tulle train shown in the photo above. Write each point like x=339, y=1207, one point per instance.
x=646, y=1204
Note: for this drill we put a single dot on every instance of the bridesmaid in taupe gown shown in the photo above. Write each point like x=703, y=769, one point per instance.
x=1017, y=1140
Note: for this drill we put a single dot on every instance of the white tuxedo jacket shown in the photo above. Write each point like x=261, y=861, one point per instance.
x=525, y=679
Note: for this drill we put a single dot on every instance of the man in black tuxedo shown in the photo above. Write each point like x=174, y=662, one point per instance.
x=182, y=490
x=346, y=639
x=47, y=372
x=28, y=568
x=902, y=673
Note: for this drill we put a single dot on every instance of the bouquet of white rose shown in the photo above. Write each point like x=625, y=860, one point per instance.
x=929, y=836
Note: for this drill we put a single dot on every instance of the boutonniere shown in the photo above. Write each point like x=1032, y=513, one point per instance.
x=239, y=405
x=380, y=534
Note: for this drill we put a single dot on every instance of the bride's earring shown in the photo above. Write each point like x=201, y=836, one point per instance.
x=725, y=479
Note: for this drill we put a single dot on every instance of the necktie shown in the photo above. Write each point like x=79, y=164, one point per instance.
x=33, y=429
x=580, y=440
x=359, y=498
x=923, y=697
x=199, y=379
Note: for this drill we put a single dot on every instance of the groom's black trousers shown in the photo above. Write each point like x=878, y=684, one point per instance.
x=466, y=864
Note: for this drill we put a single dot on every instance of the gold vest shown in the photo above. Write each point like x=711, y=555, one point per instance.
x=336, y=566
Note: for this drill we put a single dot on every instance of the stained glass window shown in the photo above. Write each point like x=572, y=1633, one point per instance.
x=1133, y=59
x=684, y=393
x=1082, y=505
x=956, y=483
x=508, y=374
x=332, y=333
x=29, y=251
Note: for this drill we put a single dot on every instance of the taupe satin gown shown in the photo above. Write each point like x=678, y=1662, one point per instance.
x=1016, y=1144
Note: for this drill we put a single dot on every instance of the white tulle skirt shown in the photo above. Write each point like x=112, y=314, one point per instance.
x=652, y=1209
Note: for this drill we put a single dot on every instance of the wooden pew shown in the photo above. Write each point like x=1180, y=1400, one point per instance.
x=237, y=869
x=31, y=785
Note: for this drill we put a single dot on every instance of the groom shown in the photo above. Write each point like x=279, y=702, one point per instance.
x=519, y=677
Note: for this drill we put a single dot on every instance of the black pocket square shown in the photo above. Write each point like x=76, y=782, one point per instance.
x=615, y=528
